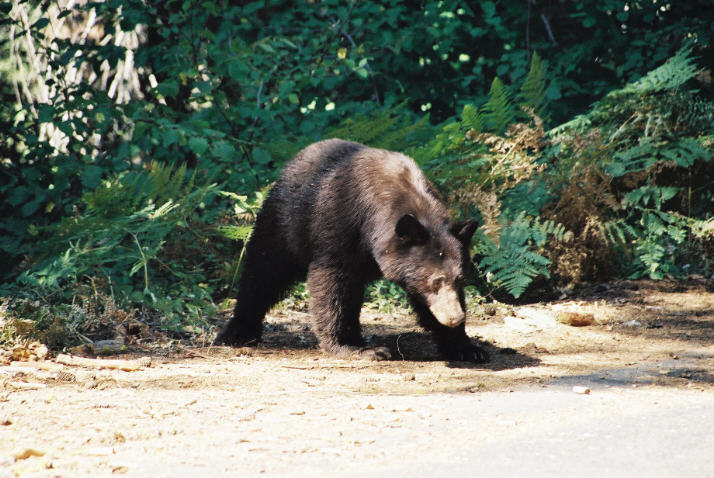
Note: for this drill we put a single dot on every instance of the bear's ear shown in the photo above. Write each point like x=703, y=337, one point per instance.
x=464, y=230
x=410, y=231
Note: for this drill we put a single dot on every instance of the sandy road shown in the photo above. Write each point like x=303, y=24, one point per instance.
x=286, y=410
x=257, y=416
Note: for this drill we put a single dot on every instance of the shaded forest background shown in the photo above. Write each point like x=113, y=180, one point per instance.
x=138, y=138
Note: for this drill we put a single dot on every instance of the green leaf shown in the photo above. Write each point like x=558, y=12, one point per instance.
x=45, y=113
x=41, y=23
x=92, y=176
x=31, y=207
x=261, y=156
x=225, y=151
x=168, y=88
x=238, y=70
x=170, y=136
x=489, y=8
x=198, y=145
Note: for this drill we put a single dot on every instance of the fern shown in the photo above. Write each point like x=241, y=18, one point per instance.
x=579, y=124
x=528, y=196
x=617, y=233
x=514, y=267
x=245, y=211
x=642, y=100
x=126, y=228
x=131, y=190
x=388, y=128
x=697, y=113
x=533, y=90
x=637, y=158
x=655, y=246
x=676, y=71
x=514, y=262
x=499, y=111
x=642, y=157
x=655, y=241
x=235, y=233
x=471, y=119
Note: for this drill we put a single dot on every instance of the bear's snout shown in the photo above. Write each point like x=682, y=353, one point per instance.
x=446, y=307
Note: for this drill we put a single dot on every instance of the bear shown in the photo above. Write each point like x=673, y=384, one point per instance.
x=340, y=216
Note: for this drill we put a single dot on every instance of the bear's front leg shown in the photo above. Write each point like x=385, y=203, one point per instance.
x=336, y=296
x=452, y=342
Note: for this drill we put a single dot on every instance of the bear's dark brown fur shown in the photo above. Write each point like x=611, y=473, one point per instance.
x=342, y=215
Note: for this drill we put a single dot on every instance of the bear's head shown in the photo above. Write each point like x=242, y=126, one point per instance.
x=431, y=263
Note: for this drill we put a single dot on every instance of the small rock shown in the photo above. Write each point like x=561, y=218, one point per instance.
x=575, y=319
x=632, y=323
x=531, y=319
x=489, y=309
x=109, y=347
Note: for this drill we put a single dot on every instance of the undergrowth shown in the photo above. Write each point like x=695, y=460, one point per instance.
x=131, y=245
x=625, y=190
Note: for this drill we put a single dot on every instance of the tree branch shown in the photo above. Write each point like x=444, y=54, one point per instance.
x=366, y=65
x=547, y=29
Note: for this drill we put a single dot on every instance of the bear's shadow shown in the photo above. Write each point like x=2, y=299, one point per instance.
x=420, y=347
x=413, y=346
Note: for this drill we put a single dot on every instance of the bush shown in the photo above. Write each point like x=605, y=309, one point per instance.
x=123, y=120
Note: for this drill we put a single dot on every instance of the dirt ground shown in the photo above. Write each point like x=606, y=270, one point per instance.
x=286, y=409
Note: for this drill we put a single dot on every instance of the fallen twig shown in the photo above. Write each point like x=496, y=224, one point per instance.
x=126, y=365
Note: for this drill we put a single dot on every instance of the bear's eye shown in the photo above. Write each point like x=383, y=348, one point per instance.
x=441, y=254
x=459, y=280
x=437, y=283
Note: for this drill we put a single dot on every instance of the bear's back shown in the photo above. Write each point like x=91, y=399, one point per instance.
x=346, y=186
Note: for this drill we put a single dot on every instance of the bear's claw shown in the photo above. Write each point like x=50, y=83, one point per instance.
x=467, y=352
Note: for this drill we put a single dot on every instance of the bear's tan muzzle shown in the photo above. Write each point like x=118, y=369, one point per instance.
x=446, y=307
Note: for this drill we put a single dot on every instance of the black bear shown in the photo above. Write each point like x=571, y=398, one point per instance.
x=342, y=215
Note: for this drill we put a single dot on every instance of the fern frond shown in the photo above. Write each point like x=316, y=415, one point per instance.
x=676, y=71
x=615, y=233
x=499, y=111
x=471, y=119
x=388, y=128
x=683, y=153
x=513, y=264
x=533, y=90
x=578, y=124
x=637, y=158
x=235, y=233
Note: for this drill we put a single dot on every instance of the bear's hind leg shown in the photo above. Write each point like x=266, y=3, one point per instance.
x=269, y=270
x=259, y=289
x=335, y=301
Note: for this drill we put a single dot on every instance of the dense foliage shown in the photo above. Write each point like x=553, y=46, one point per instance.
x=138, y=138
